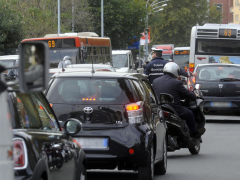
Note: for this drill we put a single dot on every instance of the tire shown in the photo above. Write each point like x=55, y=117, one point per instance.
x=147, y=172
x=83, y=173
x=196, y=149
x=161, y=166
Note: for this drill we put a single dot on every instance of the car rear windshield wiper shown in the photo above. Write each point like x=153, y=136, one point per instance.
x=229, y=79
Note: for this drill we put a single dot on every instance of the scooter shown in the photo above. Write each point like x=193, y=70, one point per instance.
x=178, y=131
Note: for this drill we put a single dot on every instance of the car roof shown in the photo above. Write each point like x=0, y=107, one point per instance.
x=89, y=65
x=220, y=64
x=101, y=74
x=9, y=57
x=121, y=51
x=182, y=48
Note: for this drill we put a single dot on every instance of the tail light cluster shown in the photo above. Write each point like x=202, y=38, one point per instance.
x=135, y=112
x=19, y=153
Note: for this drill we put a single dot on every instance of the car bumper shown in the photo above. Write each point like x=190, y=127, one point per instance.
x=120, y=141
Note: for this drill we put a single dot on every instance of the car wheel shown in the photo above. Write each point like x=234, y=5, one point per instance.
x=147, y=172
x=83, y=173
x=161, y=166
x=196, y=149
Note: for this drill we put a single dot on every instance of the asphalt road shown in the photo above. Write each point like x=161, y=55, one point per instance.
x=219, y=158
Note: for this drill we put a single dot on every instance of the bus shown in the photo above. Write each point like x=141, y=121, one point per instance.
x=83, y=48
x=214, y=43
x=181, y=56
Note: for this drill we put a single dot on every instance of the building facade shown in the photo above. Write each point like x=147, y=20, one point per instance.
x=226, y=7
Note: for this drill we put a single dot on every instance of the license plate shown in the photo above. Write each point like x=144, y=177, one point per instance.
x=221, y=104
x=93, y=143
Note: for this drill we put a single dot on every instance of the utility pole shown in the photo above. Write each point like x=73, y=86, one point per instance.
x=58, y=16
x=102, y=25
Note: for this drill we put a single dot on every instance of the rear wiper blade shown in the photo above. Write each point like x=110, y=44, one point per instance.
x=229, y=79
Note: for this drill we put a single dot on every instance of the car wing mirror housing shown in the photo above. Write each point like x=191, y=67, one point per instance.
x=33, y=66
x=166, y=98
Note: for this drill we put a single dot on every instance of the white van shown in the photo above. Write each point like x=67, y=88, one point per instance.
x=123, y=62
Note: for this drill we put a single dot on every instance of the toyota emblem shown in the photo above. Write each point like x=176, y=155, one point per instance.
x=220, y=86
x=88, y=110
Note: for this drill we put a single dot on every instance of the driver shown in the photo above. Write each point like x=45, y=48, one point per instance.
x=168, y=83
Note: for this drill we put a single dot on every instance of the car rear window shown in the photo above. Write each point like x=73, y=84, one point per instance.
x=215, y=73
x=90, y=91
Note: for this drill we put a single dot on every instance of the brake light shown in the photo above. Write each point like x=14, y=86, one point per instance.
x=132, y=107
x=88, y=99
x=166, y=114
x=191, y=67
x=19, y=153
x=135, y=112
x=51, y=105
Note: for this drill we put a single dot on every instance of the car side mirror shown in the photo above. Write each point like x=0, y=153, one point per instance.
x=72, y=126
x=166, y=98
x=33, y=66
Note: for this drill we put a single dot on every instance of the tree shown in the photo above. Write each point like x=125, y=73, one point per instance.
x=123, y=19
x=41, y=16
x=173, y=24
x=11, y=30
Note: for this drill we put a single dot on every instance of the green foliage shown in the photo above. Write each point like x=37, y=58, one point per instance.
x=123, y=19
x=11, y=31
x=173, y=25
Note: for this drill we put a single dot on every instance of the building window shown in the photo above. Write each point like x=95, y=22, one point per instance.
x=236, y=17
x=219, y=7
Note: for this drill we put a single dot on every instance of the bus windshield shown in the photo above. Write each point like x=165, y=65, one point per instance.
x=57, y=55
x=182, y=60
x=217, y=46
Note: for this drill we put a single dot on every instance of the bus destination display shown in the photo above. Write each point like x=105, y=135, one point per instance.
x=182, y=52
x=227, y=33
x=60, y=43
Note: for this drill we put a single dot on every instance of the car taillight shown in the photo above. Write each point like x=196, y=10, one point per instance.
x=191, y=83
x=191, y=67
x=19, y=153
x=135, y=112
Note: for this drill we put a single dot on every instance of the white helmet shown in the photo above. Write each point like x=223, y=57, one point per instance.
x=172, y=68
x=67, y=58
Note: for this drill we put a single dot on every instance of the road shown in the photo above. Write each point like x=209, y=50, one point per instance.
x=219, y=158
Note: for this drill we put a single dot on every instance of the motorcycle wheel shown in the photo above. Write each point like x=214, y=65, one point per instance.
x=147, y=172
x=160, y=168
x=196, y=149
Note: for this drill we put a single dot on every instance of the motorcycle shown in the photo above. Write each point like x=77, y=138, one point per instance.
x=178, y=131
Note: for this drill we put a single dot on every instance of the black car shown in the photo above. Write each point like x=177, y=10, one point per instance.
x=42, y=151
x=123, y=124
x=220, y=86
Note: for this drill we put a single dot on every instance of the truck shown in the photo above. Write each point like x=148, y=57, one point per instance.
x=123, y=62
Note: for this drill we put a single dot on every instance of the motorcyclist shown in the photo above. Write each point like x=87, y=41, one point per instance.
x=67, y=60
x=154, y=69
x=168, y=83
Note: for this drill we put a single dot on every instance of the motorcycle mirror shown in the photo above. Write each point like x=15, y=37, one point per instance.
x=72, y=126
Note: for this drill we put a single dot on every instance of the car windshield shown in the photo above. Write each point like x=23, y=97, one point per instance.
x=90, y=91
x=218, y=73
x=120, y=60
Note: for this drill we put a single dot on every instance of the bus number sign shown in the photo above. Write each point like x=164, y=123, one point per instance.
x=227, y=33
x=51, y=43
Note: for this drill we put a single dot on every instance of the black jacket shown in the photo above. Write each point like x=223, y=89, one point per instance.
x=154, y=69
x=169, y=84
